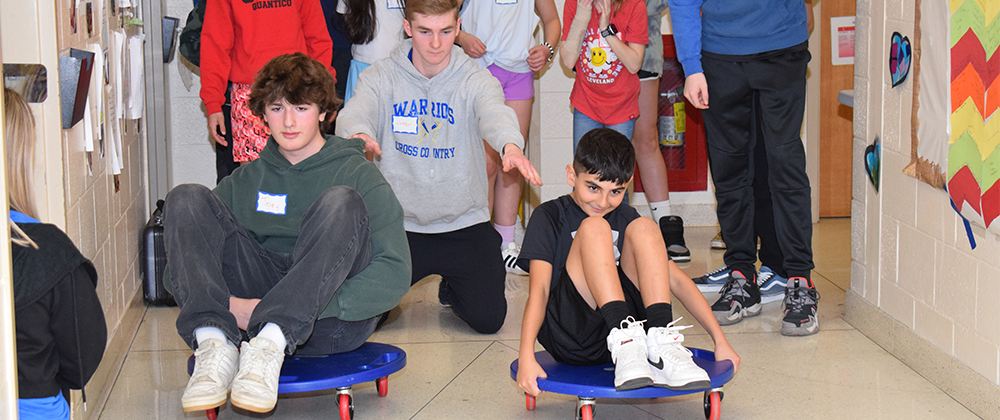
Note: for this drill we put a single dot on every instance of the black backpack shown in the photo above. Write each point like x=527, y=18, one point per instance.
x=190, y=39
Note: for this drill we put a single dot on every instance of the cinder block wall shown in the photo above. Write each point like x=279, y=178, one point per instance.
x=917, y=287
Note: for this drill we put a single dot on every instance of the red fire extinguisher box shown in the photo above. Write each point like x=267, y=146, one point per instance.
x=681, y=129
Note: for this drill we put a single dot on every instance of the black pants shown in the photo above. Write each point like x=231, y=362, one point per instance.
x=212, y=256
x=763, y=221
x=761, y=97
x=468, y=261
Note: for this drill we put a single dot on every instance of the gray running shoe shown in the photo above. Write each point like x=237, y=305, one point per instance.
x=740, y=298
x=800, y=308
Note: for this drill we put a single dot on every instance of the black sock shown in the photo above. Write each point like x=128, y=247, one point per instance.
x=614, y=312
x=659, y=315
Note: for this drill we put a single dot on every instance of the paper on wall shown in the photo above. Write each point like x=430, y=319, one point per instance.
x=117, y=62
x=96, y=97
x=117, y=56
x=88, y=137
x=88, y=128
x=115, y=162
x=842, y=40
x=136, y=94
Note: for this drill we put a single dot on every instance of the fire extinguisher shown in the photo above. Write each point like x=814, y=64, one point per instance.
x=673, y=117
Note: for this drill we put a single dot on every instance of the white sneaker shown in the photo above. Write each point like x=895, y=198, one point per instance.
x=628, y=350
x=671, y=362
x=214, y=367
x=509, y=255
x=256, y=385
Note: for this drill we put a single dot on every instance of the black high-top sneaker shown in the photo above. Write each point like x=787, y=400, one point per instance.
x=672, y=229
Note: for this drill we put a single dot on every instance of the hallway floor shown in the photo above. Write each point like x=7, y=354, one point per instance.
x=454, y=373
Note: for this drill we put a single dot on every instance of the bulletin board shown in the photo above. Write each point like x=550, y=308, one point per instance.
x=973, y=161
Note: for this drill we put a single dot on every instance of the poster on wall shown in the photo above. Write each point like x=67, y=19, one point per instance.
x=842, y=40
x=931, y=109
x=974, y=144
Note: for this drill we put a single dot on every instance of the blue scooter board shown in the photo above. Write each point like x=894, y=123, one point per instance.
x=590, y=382
x=370, y=362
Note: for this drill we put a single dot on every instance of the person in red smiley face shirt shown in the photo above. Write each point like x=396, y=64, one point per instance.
x=604, y=42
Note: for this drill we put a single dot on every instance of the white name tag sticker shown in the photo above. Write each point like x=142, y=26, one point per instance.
x=506, y=1
x=393, y=4
x=271, y=203
x=404, y=125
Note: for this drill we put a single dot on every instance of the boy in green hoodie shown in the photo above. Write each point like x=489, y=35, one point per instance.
x=302, y=248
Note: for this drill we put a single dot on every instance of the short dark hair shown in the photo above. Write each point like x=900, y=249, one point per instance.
x=297, y=79
x=431, y=7
x=606, y=153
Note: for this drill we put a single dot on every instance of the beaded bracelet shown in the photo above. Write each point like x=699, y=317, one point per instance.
x=552, y=51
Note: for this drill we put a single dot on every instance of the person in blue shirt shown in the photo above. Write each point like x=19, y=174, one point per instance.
x=749, y=58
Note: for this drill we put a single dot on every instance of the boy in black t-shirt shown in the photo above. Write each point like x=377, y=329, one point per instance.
x=595, y=267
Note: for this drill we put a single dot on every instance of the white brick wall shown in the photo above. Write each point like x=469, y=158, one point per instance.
x=914, y=261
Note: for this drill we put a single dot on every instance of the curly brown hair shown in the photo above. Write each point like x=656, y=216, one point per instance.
x=297, y=79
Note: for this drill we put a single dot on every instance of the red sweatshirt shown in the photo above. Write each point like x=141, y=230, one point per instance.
x=240, y=36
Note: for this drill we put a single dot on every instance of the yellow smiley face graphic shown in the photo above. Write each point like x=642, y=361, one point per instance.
x=597, y=56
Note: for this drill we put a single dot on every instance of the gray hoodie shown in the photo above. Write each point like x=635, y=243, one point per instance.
x=430, y=133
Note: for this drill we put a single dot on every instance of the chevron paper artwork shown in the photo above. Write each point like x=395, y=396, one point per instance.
x=974, y=146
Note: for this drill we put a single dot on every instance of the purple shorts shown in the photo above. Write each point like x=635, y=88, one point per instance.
x=516, y=86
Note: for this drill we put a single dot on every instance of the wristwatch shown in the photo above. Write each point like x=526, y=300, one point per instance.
x=612, y=30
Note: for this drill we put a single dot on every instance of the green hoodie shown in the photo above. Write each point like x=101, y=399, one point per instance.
x=340, y=162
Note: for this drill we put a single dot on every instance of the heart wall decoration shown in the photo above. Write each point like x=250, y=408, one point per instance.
x=873, y=162
x=900, y=57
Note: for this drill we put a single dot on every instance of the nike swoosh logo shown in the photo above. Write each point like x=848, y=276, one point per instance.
x=658, y=364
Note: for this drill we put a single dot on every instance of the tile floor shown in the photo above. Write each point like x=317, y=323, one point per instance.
x=455, y=373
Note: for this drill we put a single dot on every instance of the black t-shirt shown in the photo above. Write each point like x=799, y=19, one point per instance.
x=553, y=225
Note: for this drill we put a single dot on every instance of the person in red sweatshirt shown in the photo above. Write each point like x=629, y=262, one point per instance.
x=237, y=39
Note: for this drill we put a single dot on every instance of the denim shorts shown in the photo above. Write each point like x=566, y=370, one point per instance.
x=582, y=124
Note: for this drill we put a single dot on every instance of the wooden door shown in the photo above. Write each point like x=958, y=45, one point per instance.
x=836, y=120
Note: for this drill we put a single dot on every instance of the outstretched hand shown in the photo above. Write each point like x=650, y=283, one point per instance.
x=513, y=158
x=370, y=144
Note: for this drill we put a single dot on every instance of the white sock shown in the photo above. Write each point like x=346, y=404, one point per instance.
x=660, y=209
x=506, y=233
x=272, y=331
x=206, y=333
